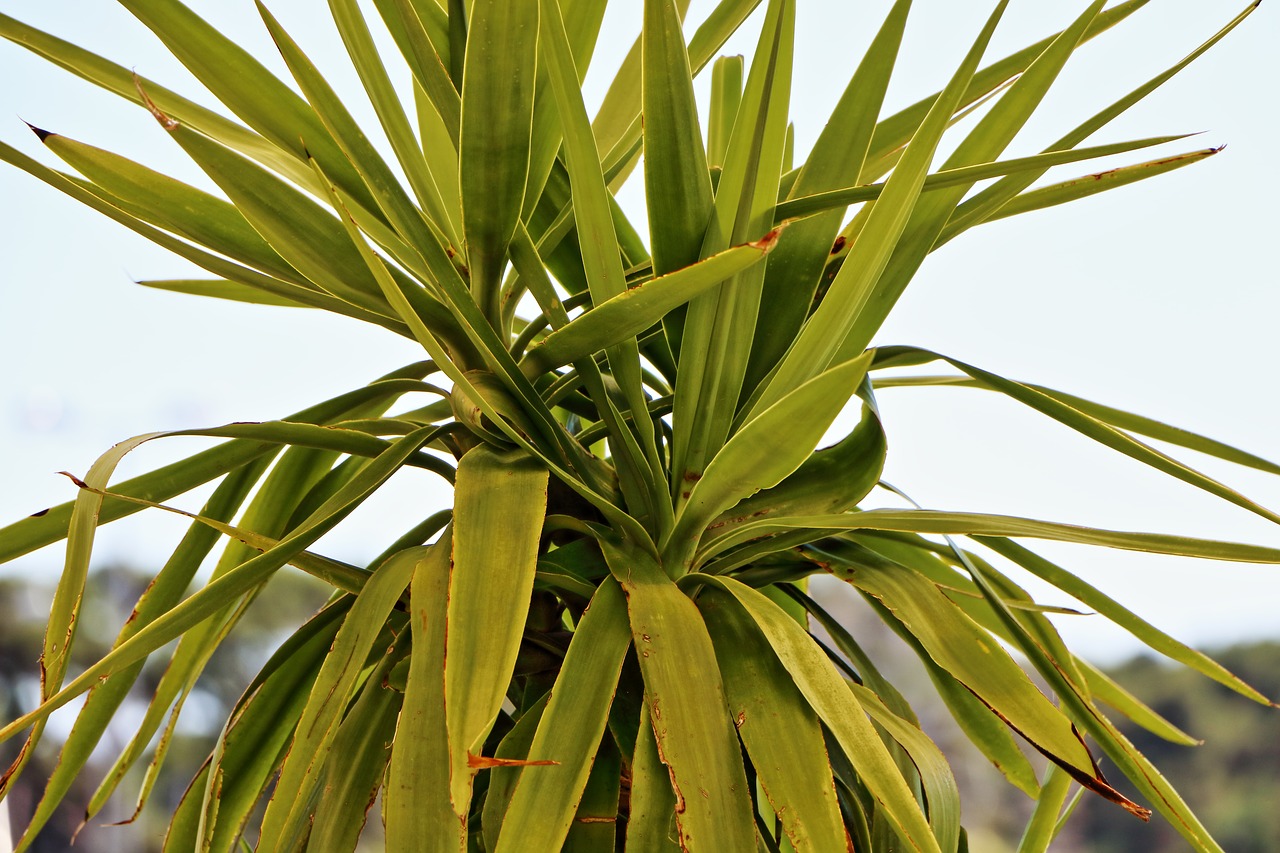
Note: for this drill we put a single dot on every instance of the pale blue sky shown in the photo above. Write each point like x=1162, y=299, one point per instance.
x=1161, y=298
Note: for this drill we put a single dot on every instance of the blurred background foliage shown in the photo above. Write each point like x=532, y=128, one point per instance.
x=1234, y=778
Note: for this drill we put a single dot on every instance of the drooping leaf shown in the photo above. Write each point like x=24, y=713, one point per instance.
x=828, y=695
x=490, y=581
x=546, y=798
x=781, y=733
x=689, y=718
x=417, y=806
x=298, y=790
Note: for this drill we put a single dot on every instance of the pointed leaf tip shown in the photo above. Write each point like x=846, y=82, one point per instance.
x=166, y=121
x=73, y=478
x=42, y=134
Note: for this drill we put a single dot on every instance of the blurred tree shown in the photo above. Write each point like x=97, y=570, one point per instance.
x=24, y=605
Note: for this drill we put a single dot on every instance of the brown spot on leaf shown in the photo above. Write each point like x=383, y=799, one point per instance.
x=838, y=245
x=40, y=514
x=768, y=241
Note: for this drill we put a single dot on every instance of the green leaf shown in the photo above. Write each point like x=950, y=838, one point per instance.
x=781, y=733
x=720, y=323
x=253, y=743
x=514, y=748
x=493, y=157
x=490, y=582
x=1099, y=431
x=251, y=91
x=836, y=160
x=726, y=96
x=310, y=239
x=133, y=219
x=1110, y=415
x=637, y=308
x=582, y=20
x=828, y=695
x=164, y=592
x=546, y=798
x=1106, y=689
x=418, y=810
x=251, y=574
x=969, y=654
x=833, y=479
x=941, y=796
x=687, y=711
x=173, y=205
x=651, y=826
x=1108, y=607
x=594, y=827
x=821, y=337
x=357, y=761
x=382, y=183
x=395, y=123
x=677, y=184
x=991, y=199
x=677, y=187
x=979, y=524
x=420, y=31
x=994, y=131
x=801, y=206
x=617, y=122
x=223, y=289
x=1068, y=191
x=294, y=801
x=176, y=478
x=1042, y=827
x=601, y=261
x=894, y=132
x=126, y=83
x=762, y=454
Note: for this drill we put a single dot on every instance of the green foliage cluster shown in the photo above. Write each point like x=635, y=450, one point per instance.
x=606, y=641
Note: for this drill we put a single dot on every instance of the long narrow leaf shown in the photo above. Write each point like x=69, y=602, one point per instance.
x=689, y=717
x=493, y=158
x=490, y=582
x=545, y=799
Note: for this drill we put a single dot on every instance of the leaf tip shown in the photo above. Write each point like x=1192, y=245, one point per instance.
x=39, y=132
x=73, y=478
x=166, y=121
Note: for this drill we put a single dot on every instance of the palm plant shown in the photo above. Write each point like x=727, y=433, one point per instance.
x=608, y=640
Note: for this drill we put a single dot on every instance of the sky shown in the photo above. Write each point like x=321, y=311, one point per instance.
x=1160, y=298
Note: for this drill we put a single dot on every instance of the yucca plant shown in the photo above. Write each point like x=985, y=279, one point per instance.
x=608, y=642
